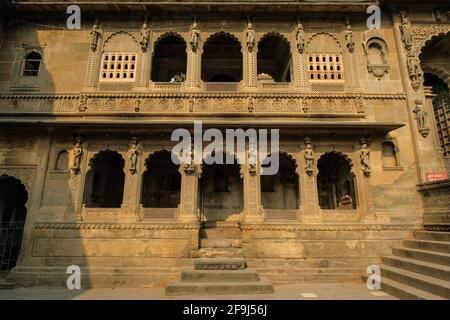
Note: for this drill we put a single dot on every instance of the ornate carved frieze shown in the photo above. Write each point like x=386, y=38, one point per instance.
x=422, y=33
x=176, y=103
x=118, y=226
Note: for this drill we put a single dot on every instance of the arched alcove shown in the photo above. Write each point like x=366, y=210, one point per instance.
x=105, y=180
x=169, y=59
x=336, y=183
x=274, y=57
x=222, y=59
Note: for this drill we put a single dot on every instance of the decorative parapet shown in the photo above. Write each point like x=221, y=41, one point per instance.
x=170, y=103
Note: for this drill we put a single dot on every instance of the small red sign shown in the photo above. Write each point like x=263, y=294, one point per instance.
x=436, y=176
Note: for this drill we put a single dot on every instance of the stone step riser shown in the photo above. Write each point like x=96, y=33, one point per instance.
x=217, y=276
x=429, y=256
x=219, y=264
x=428, y=245
x=416, y=283
x=220, y=243
x=223, y=233
x=410, y=266
x=219, y=289
x=433, y=236
x=220, y=253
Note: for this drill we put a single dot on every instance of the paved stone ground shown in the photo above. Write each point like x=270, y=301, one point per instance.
x=305, y=291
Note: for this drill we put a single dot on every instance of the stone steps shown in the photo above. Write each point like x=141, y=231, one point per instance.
x=6, y=285
x=423, y=255
x=224, y=232
x=403, y=291
x=244, y=275
x=422, y=267
x=432, y=235
x=419, y=281
x=440, y=246
x=183, y=288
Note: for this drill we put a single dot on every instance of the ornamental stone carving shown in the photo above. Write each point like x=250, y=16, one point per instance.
x=365, y=157
x=406, y=31
x=349, y=36
x=95, y=35
x=250, y=36
x=195, y=37
x=421, y=117
x=144, y=34
x=133, y=154
x=414, y=70
x=77, y=153
x=309, y=157
x=300, y=37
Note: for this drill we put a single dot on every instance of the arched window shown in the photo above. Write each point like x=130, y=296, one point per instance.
x=169, y=59
x=161, y=183
x=389, y=153
x=281, y=191
x=105, y=180
x=324, y=58
x=336, y=182
x=31, y=64
x=13, y=211
x=222, y=59
x=274, y=58
x=62, y=161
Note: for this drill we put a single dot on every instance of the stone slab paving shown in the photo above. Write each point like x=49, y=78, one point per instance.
x=306, y=291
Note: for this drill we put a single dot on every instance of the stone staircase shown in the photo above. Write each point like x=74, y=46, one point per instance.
x=420, y=269
x=220, y=267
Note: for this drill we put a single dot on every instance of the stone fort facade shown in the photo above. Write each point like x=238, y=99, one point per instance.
x=87, y=115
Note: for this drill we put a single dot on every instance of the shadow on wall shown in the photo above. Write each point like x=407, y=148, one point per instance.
x=35, y=177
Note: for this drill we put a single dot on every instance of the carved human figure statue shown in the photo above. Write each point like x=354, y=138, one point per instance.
x=250, y=34
x=300, y=36
x=421, y=117
x=309, y=157
x=252, y=157
x=133, y=155
x=195, y=37
x=365, y=157
x=414, y=70
x=145, y=34
x=76, y=157
x=405, y=30
x=95, y=35
x=349, y=37
x=188, y=160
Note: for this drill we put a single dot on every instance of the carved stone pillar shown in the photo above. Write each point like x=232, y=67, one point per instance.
x=189, y=196
x=252, y=196
x=299, y=62
x=250, y=68
x=309, y=199
x=194, y=53
x=131, y=190
x=93, y=64
x=76, y=185
x=144, y=61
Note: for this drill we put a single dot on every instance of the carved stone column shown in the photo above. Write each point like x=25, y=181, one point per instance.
x=76, y=185
x=249, y=59
x=144, y=61
x=94, y=60
x=299, y=58
x=189, y=195
x=133, y=172
x=194, y=53
x=252, y=195
x=309, y=199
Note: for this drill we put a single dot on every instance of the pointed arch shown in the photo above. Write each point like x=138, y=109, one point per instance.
x=169, y=58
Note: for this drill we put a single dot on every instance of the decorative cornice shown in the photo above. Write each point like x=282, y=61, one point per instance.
x=118, y=226
x=326, y=227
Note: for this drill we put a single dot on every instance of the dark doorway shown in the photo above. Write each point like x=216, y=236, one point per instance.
x=161, y=183
x=105, y=181
x=336, y=182
x=13, y=198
